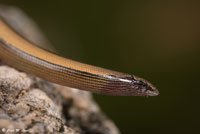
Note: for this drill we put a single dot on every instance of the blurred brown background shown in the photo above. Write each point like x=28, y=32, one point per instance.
x=157, y=40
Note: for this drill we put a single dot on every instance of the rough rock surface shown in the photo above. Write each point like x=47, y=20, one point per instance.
x=31, y=105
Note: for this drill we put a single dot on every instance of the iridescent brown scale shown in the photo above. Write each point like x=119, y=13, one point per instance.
x=23, y=55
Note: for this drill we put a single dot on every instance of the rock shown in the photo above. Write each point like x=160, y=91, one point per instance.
x=32, y=105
